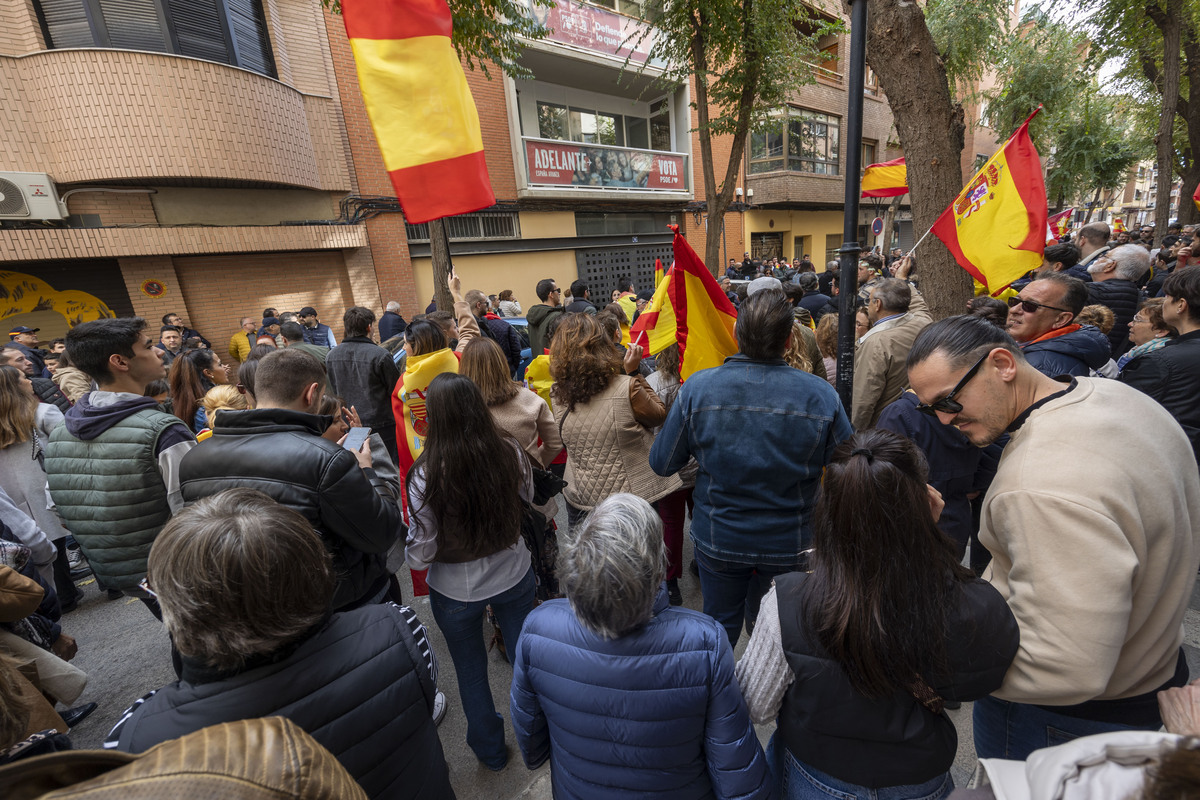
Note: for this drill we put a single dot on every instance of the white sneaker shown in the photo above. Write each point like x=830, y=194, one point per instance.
x=439, y=707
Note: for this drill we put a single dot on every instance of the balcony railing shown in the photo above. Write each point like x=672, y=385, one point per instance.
x=583, y=166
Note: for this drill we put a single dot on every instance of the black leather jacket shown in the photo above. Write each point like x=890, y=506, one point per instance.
x=281, y=454
x=1171, y=375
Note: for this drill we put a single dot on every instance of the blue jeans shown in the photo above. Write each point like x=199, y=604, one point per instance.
x=462, y=625
x=729, y=587
x=1014, y=730
x=795, y=780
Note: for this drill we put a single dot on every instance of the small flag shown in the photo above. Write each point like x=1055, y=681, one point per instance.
x=1118, y=225
x=1196, y=198
x=688, y=309
x=1058, y=225
x=420, y=106
x=996, y=227
x=658, y=272
x=889, y=179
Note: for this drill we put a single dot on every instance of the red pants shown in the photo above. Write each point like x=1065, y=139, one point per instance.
x=672, y=509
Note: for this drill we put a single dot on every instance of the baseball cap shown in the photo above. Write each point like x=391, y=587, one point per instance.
x=762, y=284
x=22, y=329
x=307, y=311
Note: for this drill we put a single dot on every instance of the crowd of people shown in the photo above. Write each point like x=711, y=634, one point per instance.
x=1007, y=514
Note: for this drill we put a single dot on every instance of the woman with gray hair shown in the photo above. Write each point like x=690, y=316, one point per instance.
x=624, y=693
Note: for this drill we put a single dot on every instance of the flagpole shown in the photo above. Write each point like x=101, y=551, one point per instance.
x=918, y=244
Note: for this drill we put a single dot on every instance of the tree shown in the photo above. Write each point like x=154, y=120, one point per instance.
x=1156, y=40
x=745, y=56
x=921, y=55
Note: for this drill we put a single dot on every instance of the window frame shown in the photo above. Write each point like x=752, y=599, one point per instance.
x=101, y=38
x=794, y=158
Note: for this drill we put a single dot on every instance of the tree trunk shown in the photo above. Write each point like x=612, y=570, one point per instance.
x=719, y=200
x=439, y=251
x=1189, y=111
x=1170, y=24
x=931, y=125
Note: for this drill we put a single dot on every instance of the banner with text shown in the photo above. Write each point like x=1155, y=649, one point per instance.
x=570, y=164
x=592, y=28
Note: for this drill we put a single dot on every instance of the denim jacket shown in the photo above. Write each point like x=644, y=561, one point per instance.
x=761, y=433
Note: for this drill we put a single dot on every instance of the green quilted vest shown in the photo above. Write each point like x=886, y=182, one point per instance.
x=111, y=495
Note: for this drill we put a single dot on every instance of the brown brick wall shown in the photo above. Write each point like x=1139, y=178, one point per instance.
x=20, y=32
x=103, y=114
x=158, y=268
x=114, y=208
x=220, y=289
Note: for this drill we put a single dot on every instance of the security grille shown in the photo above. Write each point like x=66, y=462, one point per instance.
x=467, y=227
x=600, y=268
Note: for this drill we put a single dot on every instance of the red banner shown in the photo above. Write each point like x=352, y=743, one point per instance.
x=572, y=164
x=593, y=29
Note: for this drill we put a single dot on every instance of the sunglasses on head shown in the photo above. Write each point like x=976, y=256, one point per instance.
x=1029, y=306
x=948, y=404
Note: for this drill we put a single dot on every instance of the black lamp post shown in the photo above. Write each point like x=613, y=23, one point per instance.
x=848, y=280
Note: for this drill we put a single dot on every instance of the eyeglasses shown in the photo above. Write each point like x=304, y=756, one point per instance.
x=1029, y=306
x=1140, y=319
x=947, y=404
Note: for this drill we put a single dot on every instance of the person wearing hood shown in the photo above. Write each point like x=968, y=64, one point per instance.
x=539, y=315
x=1042, y=320
x=113, y=466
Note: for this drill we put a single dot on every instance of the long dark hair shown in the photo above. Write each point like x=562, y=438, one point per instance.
x=188, y=384
x=884, y=576
x=472, y=473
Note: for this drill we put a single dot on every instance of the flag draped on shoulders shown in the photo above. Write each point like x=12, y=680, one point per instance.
x=420, y=106
x=996, y=227
x=889, y=179
x=688, y=309
x=408, y=401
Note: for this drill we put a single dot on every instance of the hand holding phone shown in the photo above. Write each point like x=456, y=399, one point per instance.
x=354, y=438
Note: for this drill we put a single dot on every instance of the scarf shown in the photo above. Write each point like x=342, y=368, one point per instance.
x=408, y=401
x=1141, y=350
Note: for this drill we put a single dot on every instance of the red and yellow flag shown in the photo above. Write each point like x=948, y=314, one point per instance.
x=688, y=309
x=1196, y=198
x=420, y=105
x=658, y=272
x=996, y=227
x=1058, y=225
x=1118, y=225
x=889, y=179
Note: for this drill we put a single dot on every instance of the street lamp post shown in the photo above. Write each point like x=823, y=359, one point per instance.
x=848, y=280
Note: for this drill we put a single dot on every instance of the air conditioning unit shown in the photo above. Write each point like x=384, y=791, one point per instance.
x=29, y=196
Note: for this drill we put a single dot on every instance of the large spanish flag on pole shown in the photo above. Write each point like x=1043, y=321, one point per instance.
x=688, y=309
x=996, y=227
x=889, y=179
x=420, y=106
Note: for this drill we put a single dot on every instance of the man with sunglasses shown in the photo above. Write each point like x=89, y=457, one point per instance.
x=1096, y=553
x=1042, y=321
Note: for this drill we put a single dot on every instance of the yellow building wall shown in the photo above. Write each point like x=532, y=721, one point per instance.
x=815, y=225
x=494, y=273
x=547, y=224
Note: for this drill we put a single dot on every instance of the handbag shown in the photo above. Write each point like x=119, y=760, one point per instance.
x=542, y=540
x=545, y=485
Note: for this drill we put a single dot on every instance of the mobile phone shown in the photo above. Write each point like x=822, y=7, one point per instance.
x=355, y=438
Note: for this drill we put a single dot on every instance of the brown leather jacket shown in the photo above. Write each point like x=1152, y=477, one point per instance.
x=254, y=759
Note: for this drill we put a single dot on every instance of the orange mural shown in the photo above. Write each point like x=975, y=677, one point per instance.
x=30, y=301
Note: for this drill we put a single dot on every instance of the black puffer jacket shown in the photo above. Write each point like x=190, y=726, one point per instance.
x=895, y=740
x=48, y=392
x=281, y=454
x=359, y=686
x=1171, y=375
x=1121, y=297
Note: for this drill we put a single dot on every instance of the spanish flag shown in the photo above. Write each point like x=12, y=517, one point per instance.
x=996, y=227
x=420, y=106
x=1118, y=225
x=1196, y=198
x=889, y=179
x=1058, y=225
x=658, y=272
x=688, y=309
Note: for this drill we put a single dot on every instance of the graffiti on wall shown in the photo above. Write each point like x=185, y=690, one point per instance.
x=30, y=301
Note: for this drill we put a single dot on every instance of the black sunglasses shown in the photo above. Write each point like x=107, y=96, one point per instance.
x=1029, y=306
x=947, y=404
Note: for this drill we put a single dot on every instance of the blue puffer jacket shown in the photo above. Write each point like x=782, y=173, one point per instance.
x=1075, y=353
x=657, y=712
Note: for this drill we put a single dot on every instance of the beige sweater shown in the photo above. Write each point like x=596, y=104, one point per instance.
x=1093, y=521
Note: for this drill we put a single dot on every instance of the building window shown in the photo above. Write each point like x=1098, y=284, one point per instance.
x=467, y=227
x=868, y=154
x=229, y=31
x=570, y=124
x=804, y=141
x=871, y=84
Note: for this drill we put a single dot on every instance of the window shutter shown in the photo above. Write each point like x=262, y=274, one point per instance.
x=134, y=25
x=198, y=29
x=67, y=23
x=249, y=29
